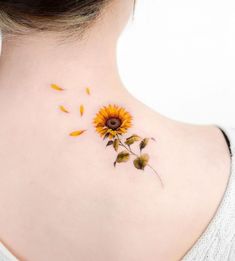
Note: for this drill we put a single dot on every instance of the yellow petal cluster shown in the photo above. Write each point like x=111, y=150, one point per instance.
x=107, y=113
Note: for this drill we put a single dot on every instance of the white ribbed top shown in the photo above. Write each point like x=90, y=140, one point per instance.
x=217, y=243
x=5, y=255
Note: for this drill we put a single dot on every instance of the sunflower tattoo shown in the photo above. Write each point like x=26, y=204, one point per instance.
x=112, y=122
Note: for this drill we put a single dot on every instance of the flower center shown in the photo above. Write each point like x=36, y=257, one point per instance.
x=113, y=123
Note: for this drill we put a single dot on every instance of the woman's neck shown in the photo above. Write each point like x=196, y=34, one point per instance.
x=31, y=109
x=42, y=60
x=28, y=67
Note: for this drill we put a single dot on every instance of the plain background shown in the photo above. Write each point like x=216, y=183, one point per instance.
x=178, y=57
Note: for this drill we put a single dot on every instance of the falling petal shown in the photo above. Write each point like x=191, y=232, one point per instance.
x=77, y=133
x=81, y=110
x=56, y=87
x=88, y=91
x=62, y=108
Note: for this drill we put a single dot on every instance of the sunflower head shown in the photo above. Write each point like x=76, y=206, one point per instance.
x=112, y=120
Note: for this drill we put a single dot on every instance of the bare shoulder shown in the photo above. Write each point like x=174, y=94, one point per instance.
x=208, y=141
x=198, y=176
x=206, y=150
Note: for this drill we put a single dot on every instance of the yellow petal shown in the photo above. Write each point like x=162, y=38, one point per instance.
x=77, y=133
x=113, y=132
x=56, y=87
x=88, y=91
x=62, y=108
x=104, y=113
x=81, y=110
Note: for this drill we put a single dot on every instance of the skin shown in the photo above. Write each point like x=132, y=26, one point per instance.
x=60, y=196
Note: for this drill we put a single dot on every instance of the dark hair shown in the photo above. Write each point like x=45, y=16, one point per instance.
x=20, y=16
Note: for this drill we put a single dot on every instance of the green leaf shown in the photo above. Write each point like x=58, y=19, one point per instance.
x=132, y=139
x=141, y=162
x=144, y=143
x=116, y=144
x=123, y=156
x=109, y=143
x=106, y=136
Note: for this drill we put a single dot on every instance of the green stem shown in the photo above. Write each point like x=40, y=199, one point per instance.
x=130, y=150
x=127, y=148
x=159, y=177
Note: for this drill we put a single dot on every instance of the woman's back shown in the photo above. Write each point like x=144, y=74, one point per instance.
x=64, y=200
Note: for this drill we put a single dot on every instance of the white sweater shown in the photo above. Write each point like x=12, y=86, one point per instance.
x=217, y=243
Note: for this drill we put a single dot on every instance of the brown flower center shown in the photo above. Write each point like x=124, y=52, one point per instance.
x=113, y=123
